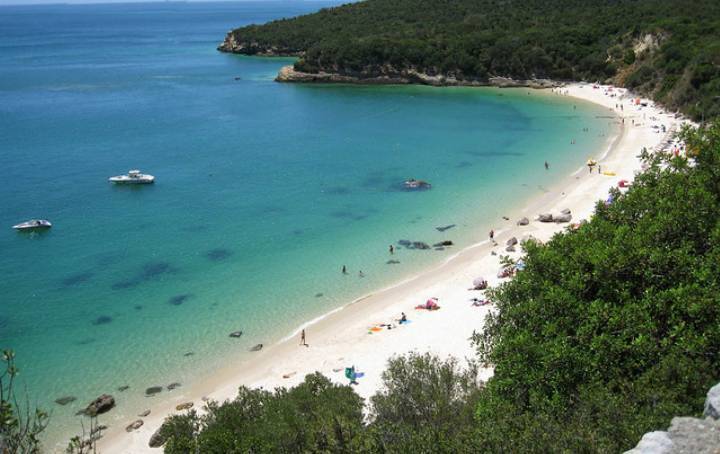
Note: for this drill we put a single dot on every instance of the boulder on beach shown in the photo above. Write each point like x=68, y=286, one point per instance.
x=566, y=211
x=563, y=218
x=545, y=217
x=65, y=400
x=134, y=425
x=101, y=405
x=523, y=221
x=512, y=241
x=185, y=406
x=257, y=348
x=236, y=334
x=510, y=249
x=151, y=391
x=157, y=439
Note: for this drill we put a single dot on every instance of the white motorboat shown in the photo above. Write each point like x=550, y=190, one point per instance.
x=33, y=224
x=133, y=177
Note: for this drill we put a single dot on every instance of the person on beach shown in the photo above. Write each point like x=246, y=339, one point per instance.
x=392, y=249
x=302, y=339
x=344, y=270
x=599, y=169
x=403, y=317
x=492, y=234
x=547, y=166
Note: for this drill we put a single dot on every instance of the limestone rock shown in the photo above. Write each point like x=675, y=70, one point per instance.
x=236, y=334
x=173, y=385
x=257, y=348
x=443, y=243
x=712, y=402
x=523, y=221
x=566, y=211
x=101, y=405
x=510, y=249
x=144, y=414
x=657, y=442
x=512, y=241
x=563, y=218
x=694, y=435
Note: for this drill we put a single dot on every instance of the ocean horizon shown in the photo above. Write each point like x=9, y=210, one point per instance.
x=263, y=192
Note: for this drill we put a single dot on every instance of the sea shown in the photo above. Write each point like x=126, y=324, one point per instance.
x=263, y=191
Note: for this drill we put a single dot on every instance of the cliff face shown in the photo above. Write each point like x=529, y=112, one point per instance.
x=388, y=74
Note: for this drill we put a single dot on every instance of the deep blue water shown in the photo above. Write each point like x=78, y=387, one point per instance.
x=263, y=192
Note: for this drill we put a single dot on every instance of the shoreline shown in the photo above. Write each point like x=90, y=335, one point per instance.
x=340, y=338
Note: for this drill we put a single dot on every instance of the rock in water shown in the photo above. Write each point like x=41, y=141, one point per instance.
x=144, y=414
x=101, y=405
x=173, y=385
x=236, y=334
x=151, y=391
x=443, y=228
x=123, y=388
x=134, y=425
x=545, y=217
x=443, y=243
x=523, y=221
x=65, y=400
x=420, y=245
x=257, y=348
x=712, y=402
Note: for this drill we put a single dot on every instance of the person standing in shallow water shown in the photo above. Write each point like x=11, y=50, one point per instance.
x=344, y=270
x=547, y=166
x=392, y=249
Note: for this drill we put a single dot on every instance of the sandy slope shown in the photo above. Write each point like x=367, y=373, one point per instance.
x=342, y=338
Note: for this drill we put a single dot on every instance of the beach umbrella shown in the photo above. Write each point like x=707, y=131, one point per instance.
x=479, y=282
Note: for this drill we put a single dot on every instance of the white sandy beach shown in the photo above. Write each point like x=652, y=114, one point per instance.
x=342, y=338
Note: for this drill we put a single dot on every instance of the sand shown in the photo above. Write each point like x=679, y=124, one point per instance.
x=342, y=338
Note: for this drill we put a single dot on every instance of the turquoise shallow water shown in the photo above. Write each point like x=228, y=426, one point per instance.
x=263, y=191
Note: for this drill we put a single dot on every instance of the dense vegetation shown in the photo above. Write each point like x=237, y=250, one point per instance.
x=668, y=49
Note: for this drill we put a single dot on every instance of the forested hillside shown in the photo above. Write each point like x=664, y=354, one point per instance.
x=667, y=49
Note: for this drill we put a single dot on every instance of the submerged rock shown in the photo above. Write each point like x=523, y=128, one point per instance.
x=236, y=334
x=392, y=262
x=151, y=391
x=65, y=400
x=123, y=388
x=101, y=405
x=257, y=348
x=173, y=385
x=144, y=414
x=447, y=227
x=420, y=245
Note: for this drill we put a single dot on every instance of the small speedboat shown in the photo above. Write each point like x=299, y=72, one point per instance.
x=412, y=183
x=133, y=177
x=33, y=224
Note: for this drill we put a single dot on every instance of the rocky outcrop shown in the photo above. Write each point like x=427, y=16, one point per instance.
x=157, y=439
x=523, y=221
x=234, y=45
x=687, y=435
x=545, y=217
x=387, y=74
